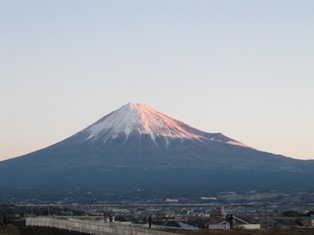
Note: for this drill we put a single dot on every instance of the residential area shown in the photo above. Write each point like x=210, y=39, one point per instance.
x=250, y=210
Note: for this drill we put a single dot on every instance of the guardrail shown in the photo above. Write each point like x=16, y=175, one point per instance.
x=91, y=227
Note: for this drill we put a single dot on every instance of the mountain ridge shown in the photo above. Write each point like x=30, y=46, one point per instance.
x=136, y=142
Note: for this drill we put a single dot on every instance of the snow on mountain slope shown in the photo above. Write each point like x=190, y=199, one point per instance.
x=143, y=119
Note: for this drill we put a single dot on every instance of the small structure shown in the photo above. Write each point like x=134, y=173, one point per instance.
x=179, y=224
x=220, y=223
x=172, y=200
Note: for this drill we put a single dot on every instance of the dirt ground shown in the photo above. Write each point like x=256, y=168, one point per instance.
x=13, y=230
x=248, y=232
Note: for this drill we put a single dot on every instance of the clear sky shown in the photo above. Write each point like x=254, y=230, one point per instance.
x=241, y=67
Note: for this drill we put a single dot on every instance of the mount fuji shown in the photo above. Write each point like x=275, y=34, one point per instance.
x=137, y=146
x=143, y=121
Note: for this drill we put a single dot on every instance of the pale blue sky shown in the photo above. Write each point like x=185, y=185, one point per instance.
x=243, y=68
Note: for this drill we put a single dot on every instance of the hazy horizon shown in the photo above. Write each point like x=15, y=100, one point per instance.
x=242, y=68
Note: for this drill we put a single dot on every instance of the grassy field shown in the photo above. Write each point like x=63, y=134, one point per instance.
x=13, y=230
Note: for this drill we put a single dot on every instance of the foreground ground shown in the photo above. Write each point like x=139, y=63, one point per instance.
x=249, y=232
x=13, y=230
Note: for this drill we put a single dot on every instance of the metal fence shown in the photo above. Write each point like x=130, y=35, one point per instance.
x=91, y=227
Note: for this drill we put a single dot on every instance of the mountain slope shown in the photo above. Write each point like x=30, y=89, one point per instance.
x=137, y=142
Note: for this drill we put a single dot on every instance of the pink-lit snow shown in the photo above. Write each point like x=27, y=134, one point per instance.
x=144, y=119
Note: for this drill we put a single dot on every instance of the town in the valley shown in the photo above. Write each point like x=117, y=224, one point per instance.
x=249, y=210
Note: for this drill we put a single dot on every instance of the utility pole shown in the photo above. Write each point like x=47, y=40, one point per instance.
x=266, y=216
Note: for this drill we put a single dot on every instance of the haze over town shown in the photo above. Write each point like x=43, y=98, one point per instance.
x=243, y=68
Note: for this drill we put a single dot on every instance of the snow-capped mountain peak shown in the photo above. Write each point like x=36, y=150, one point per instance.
x=143, y=119
x=140, y=118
